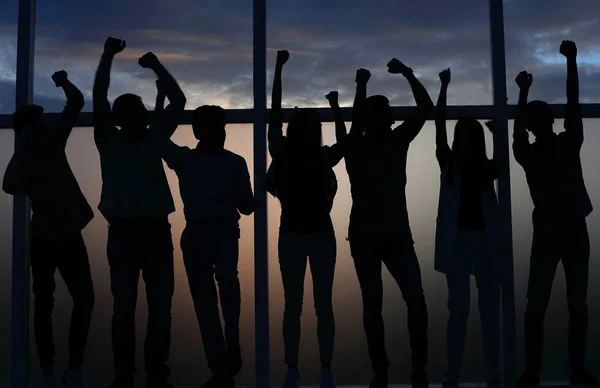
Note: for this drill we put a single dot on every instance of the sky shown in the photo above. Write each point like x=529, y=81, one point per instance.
x=207, y=45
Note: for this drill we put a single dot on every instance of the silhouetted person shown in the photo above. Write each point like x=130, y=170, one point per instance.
x=136, y=201
x=302, y=178
x=552, y=165
x=379, y=230
x=215, y=188
x=40, y=170
x=468, y=235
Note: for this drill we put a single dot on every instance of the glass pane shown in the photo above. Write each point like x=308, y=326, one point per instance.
x=187, y=360
x=534, y=32
x=206, y=45
x=327, y=44
x=8, y=54
x=351, y=361
x=556, y=366
x=7, y=139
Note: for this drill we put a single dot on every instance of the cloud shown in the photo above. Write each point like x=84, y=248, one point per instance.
x=208, y=47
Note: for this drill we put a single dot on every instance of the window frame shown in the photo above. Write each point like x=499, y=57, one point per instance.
x=498, y=110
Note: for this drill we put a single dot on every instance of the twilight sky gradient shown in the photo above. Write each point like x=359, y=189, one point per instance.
x=207, y=45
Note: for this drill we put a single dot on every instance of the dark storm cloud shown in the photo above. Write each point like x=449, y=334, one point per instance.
x=208, y=46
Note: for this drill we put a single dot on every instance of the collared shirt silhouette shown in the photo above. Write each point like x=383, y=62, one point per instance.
x=215, y=188
x=40, y=170
x=561, y=204
x=212, y=185
x=136, y=201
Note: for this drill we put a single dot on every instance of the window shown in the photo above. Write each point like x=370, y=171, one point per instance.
x=206, y=45
x=8, y=55
x=556, y=328
x=327, y=43
x=534, y=32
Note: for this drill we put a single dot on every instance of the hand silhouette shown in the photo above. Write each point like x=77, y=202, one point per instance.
x=524, y=80
x=397, y=67
x=332, y=97
x=445, y=77
x=362, y=76
x=282, y=57
x=148, y=60
x=114, y=46
x=568, y=49
x=59, y=78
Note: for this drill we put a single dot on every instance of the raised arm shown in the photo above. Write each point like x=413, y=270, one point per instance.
x=573, y=120
x=75, y=103
x=159, y=107
x=411, y=127
x=340, y=126
x=520, y=136
x=442, y=151
x=172, y=114
x=245, y=199
x=103, y=120
x=275, y=133
x=359, y=107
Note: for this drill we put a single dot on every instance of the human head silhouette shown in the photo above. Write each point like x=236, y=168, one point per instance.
x=208, y=124
x=469, y=140
x=379, y=115
x=540, y=118
x=131, y=114
x=304, y=129
x=28, y=118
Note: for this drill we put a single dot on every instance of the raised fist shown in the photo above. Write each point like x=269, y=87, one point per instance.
x=397, y=67
x=362, y=76
x=282, y=57
x=332, y=97
x=568, y=49
x=148, y=61
x=524, y=80
x=59, y=78
x=114, y=46
x=445, y=76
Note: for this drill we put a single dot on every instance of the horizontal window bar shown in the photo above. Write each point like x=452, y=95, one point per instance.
x=245, y=116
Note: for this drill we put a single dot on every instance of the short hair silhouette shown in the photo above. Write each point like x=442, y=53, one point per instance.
x=26, y=116
x=379, y=114
x=130, y=112
x=208, y=125
x=305, y=129
x=540, y=117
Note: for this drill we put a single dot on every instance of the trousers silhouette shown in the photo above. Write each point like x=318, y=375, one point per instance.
x=471, y=251
x=141, y=246
x=320, y=249
x=70, y=257
x=400, y=258
x=566, y=242
x=211, y=251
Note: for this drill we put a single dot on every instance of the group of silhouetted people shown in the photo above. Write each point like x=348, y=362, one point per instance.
x=470, y=237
